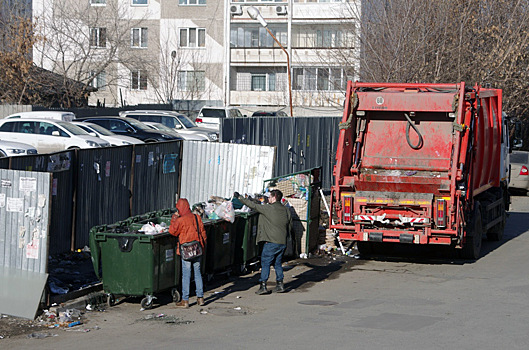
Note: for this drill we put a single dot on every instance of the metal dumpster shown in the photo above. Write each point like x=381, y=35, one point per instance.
x=246, y=249
x=132, y=264
x=220, y=246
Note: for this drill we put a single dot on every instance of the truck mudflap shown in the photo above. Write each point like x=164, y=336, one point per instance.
x=393, y=217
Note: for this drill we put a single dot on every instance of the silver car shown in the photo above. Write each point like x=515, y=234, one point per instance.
x=10, y=149
x=519, y=171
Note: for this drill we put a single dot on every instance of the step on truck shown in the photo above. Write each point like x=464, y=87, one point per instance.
x=423, y=164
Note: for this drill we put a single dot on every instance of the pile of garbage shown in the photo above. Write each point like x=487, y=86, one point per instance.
x=61, y=318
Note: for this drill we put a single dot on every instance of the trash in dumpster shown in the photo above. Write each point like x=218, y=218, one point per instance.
x=152, y=229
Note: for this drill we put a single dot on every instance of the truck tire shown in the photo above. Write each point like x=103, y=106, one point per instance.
x=472, y=246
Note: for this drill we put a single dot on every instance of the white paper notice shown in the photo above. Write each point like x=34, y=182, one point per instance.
x=15, y=204
x=32, y=249
x=2, y=200
x=28, y=184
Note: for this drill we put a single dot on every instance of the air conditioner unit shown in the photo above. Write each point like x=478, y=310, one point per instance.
x=236, y=10
x=281, y=10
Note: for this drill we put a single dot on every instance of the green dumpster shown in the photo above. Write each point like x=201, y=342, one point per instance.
x=246, y=249
x=134, y=264
x=220, y=245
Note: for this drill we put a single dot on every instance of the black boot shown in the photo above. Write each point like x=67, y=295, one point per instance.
x=262, y=289
x=280, y=287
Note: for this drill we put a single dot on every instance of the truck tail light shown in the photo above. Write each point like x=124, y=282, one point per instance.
x=440, y=220
x=198, y=120
x=524, y=170
x=347, y=209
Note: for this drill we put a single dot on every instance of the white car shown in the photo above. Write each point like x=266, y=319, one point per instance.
x=107, y=135
x=64, y=116
x=209, y=117
x=176, y=121
x=48, y=135
x=10, y=149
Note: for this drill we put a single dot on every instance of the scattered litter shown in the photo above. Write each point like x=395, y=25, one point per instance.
x=238, y=296
x=203, y=312
x=237, y=308
x=41, y=335
x=164, y=319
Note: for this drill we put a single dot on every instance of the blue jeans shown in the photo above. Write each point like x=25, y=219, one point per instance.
x=186, y=278
x=272, y=252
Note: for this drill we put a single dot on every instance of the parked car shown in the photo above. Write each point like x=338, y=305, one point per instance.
x=209, y=117
x=269, y=114
x=184, y=126
x=107, y=135
x=10, y=149
x=130, y=127
x=48, y=135
x=519, y=171
x=160, y=126
x=57, y=115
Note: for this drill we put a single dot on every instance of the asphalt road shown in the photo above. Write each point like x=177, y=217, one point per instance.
x=404, y=302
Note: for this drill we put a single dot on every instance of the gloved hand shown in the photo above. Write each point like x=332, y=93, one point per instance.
x=236, y=195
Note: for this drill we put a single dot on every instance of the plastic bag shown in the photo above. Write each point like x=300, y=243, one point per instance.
x=226, y=212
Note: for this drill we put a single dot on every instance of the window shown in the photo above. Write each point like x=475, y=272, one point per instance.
x=139, y=37
x=191, y=2
x=140, y=2
x=321, y=79
x=98, y=37
x=191, y=80
x=98, y=2
x=192, y=37
x=254, y=35
x=258, y=82
x=321, y=36
x=99, y=81
x=138, y=80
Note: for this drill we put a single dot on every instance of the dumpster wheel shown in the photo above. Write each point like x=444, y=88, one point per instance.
x=146, y=303
x=111, y=299
x=176, y=295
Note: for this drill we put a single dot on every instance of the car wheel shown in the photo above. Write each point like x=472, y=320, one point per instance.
x=150, y=141
x=2, y=154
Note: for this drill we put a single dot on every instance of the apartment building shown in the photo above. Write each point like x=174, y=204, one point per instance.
x=155, y=51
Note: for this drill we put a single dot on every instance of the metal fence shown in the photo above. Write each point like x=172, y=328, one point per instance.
x=302, y=142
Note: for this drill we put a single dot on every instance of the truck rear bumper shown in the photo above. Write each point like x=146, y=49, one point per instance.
x=426, y=236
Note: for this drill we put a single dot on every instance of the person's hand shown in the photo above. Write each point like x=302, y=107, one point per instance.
x=236, y=195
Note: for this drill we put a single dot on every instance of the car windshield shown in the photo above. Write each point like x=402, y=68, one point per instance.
x=137, y=124
x=162, y=127
x=213, y=113
x=520, y=157
x=101, y=130
x=73, y=129
x=186, y=121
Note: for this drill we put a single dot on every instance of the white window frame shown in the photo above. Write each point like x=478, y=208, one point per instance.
x=143, y=37
x=196, y=36
x=140, y=76
x=192, y=2
x=98, y=2
x=311, y=79
x=186, y=80
x=133, y=4
x=98, y=43
x=99, y=81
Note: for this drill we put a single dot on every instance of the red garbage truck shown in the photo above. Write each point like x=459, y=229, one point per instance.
x=421, y=164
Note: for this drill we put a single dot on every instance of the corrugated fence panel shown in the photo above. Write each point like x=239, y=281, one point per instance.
x=302, y=142
x=24, y=219
x=60, y=165
x=103, y=189
x=156, y=176
x=219, y=169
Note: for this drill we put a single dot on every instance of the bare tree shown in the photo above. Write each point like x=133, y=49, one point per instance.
x=84, y=41
x=484, y=41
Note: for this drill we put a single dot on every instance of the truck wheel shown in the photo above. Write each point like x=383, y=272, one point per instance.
x=472, y=247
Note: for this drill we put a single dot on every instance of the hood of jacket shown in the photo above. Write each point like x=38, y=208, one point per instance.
x=183, y=207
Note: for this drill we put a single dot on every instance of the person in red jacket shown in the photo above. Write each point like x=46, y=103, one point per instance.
x=188, y=227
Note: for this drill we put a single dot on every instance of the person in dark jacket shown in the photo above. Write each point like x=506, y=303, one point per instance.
x=188, y=227
x=275, y=222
